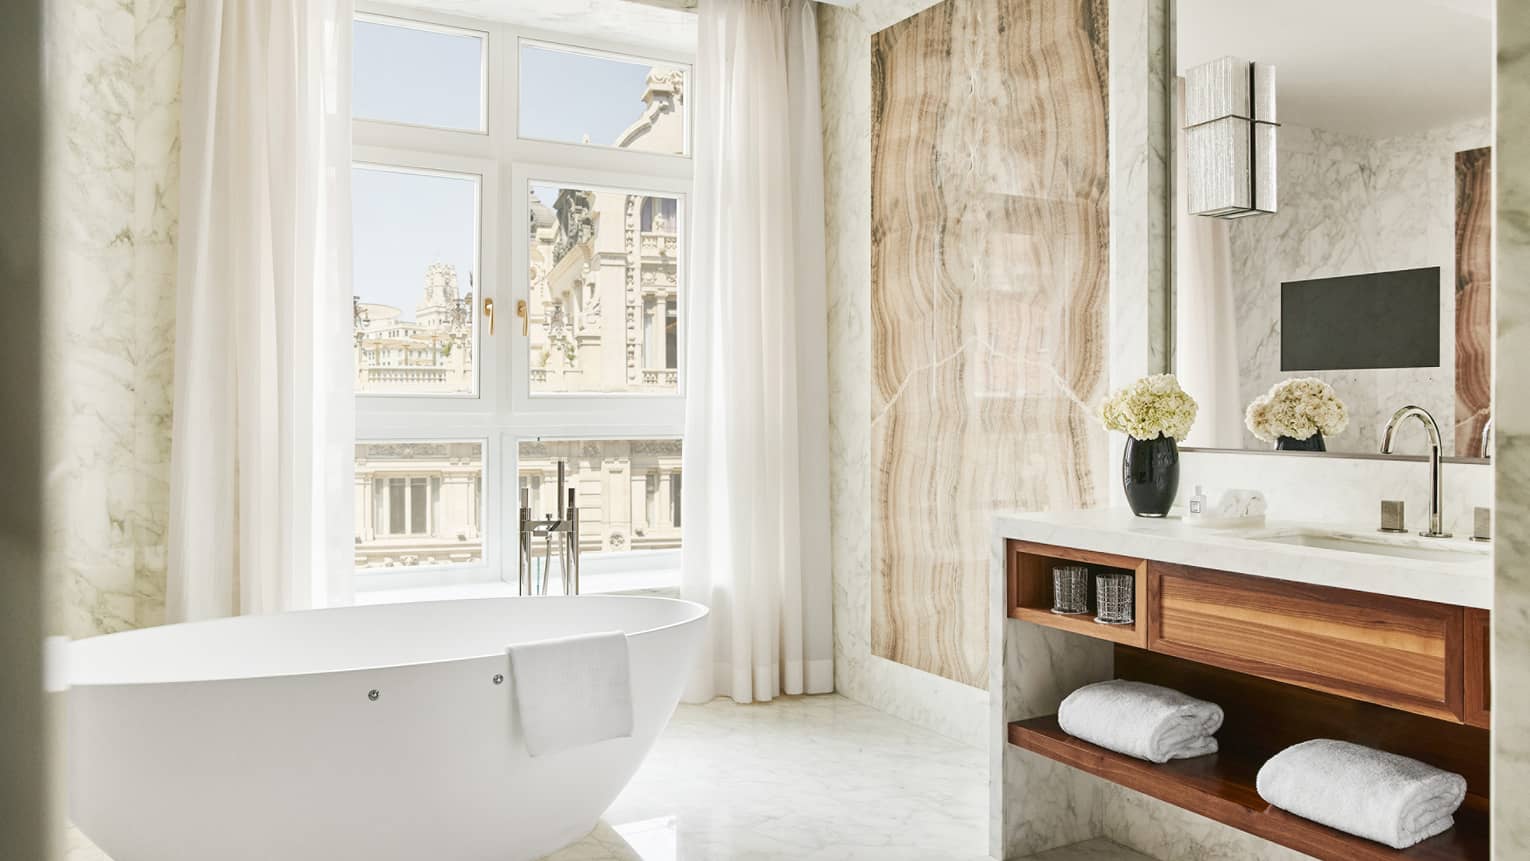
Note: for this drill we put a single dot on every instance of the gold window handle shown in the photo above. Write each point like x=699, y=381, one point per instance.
x=520, y=311
x=488, y=311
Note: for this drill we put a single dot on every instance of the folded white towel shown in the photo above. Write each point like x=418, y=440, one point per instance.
x=1361, y=791
x=572, y=691
x=1146, y=721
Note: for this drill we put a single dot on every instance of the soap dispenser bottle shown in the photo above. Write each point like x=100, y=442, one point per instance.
x=1198, y=502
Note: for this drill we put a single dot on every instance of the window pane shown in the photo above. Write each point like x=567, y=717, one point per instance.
x=584, y=97
x=432, y=495
x=415, y=238
x=612, y=480
x=594, y=268
x=418, y=74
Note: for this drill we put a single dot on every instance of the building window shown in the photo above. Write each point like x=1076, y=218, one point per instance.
x=674, y=499
x=469, y=200
x=418, y=503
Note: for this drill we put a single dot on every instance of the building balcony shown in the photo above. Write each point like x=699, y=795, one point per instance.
x=659, y=245
x=661, y=377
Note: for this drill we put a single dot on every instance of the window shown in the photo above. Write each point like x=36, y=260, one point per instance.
x=520, y=284
x=415, y=249
x=603, y=99
x=620, y=487
x=415, y=73
x=592, y=264
x=418, y=504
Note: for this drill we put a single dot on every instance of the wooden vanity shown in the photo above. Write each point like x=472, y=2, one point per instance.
x=1287, y=661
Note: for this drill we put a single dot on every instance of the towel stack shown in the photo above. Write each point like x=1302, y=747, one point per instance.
x=1368, y=793
x=1141, y=720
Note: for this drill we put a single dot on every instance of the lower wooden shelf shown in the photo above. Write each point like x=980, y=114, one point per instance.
x=1221, y=787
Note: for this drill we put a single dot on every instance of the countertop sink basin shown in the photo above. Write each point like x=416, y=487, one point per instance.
x=1379, y=544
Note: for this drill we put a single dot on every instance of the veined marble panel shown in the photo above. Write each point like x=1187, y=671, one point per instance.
x=989, y=271
x=1511, y=462
x=1351, y=205
x=111, y=184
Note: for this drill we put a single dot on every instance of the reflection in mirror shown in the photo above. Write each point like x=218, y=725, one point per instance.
x=1369, y=282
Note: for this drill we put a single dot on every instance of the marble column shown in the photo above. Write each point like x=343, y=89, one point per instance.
x=1511, y=528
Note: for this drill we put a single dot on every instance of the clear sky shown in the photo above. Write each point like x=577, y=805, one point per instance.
x=404, y=222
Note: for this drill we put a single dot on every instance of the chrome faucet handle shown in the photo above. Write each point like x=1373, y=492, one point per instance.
x=1392, y=519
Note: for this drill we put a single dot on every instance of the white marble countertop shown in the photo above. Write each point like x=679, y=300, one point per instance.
x=1466, y=581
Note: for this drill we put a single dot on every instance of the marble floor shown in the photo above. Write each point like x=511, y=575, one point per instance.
x=808, y=778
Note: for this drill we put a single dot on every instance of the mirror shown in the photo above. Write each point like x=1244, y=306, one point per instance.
x=1344, y=149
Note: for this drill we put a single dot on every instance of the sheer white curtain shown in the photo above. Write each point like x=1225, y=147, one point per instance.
x=1205, y=319
x=261, y=463
x=756, y=429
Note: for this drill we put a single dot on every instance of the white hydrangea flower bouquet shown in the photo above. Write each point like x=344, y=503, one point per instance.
x=1298, y=409
x=1148, y=407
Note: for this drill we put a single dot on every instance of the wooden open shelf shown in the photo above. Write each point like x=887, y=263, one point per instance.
x=1221, y=787
x=1261, y=718
x=1030, y=590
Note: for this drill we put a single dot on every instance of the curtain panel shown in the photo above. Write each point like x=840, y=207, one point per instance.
x=261, y=458
x=756, y=432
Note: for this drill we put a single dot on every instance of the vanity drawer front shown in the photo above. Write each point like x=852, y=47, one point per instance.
x=1393, y=651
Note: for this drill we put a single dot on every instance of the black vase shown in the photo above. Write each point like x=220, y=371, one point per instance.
x=1150, y=474
x=1311, y=443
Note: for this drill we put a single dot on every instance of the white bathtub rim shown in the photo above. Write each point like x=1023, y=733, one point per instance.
x=698, y=613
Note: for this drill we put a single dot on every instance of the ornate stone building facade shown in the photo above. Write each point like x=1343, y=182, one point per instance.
x=604, y=297
x=431, y=354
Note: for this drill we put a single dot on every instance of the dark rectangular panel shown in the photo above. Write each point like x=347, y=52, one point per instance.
x=1380, y=320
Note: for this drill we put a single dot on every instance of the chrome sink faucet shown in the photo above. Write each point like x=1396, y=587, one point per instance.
x=1431, y=427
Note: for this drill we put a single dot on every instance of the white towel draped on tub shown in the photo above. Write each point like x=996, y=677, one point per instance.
x=1142, y=720
x=1361, y=791
x=572, y=691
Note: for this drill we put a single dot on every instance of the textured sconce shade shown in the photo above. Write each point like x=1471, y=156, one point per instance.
x=1230, y=138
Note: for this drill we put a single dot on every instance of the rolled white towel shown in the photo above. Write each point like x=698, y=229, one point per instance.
x=1362, y=791
x=1142, y=720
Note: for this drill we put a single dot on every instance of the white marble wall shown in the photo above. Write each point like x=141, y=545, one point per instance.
x=1341, y=491
x=1351, y=205
x=113, y=106
x=1511, y=599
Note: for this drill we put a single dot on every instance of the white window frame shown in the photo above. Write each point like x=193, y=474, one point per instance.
x=503, y=412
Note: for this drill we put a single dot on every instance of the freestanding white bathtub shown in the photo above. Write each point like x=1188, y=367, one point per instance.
x=357, y=733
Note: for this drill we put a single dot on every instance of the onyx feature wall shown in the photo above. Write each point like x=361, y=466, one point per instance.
x=990, y=265
x=1474, y=298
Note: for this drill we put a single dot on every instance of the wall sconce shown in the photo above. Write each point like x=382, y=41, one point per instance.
x=1230, y=133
